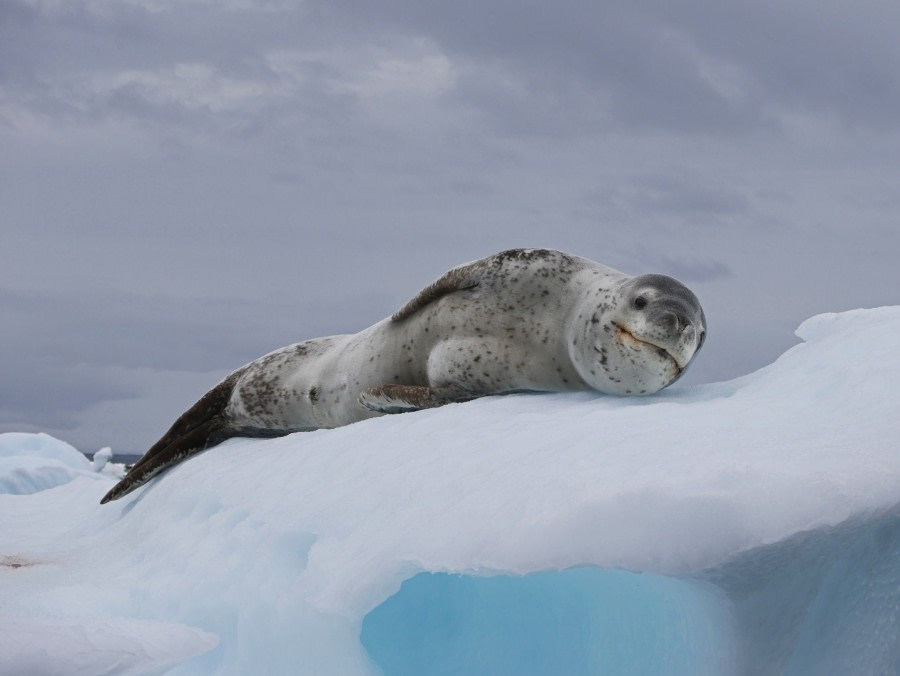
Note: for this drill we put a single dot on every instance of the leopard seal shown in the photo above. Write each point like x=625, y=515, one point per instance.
x=520, y=320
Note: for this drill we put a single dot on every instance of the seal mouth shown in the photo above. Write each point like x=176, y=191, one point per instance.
x=627, y=337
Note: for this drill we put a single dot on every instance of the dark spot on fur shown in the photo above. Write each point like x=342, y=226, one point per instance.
x=15, y=562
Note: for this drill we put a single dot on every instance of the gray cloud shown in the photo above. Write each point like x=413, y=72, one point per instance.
x=695, y=270
x=674, y=194
x=51, y=391
x=696, y=67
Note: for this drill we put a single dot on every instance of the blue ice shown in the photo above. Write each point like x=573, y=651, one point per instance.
x=577, y=621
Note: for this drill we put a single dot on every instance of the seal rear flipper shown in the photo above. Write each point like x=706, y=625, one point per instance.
x=199, y=439
x=404, y=398
x=200, y=427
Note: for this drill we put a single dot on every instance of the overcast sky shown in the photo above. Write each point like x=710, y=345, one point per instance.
x=186, y=185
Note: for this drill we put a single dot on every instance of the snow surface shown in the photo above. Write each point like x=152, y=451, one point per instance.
x=751, y=526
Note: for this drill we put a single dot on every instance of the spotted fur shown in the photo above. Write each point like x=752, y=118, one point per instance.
x=521, y=320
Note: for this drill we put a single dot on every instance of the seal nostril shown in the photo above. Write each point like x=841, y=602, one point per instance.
x=672, y=321
x=662, y=353
x=682, y=323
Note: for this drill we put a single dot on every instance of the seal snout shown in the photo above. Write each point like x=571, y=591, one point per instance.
x=672, y=319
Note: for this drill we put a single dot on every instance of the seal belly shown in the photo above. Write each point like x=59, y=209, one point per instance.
x=383, y=354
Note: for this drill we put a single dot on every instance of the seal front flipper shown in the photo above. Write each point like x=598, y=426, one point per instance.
x=404, y=398
x=201, y=426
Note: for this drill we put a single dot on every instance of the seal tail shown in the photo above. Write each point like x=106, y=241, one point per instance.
x=200, y=427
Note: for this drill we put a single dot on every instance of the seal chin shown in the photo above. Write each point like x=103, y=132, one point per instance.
x=628, y=338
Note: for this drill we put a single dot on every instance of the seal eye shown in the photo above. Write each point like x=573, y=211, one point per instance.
x=640, y=303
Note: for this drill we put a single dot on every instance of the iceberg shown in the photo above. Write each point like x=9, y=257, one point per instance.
x=30, y=463
x=744, y=527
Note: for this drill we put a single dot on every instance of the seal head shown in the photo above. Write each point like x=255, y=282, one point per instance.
x=638, y=337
